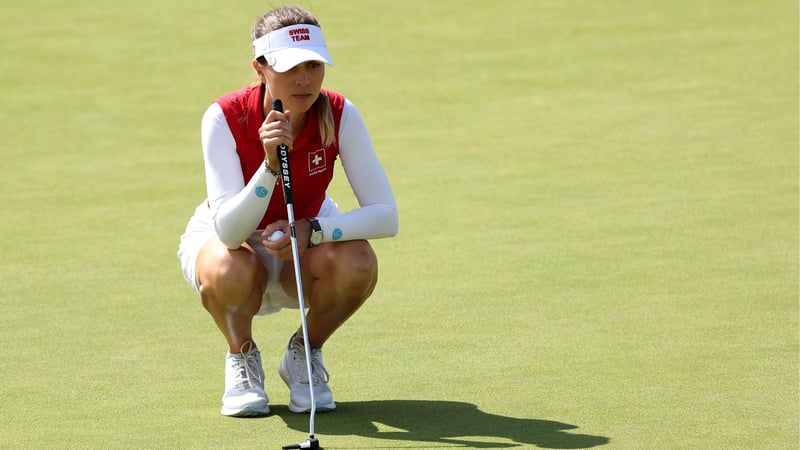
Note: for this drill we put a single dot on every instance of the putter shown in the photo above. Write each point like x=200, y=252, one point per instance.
x=286, y=182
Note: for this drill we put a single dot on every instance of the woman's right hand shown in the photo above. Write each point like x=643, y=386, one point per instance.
x=276, y=130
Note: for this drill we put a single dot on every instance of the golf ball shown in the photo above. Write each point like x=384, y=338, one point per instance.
x=275, y=236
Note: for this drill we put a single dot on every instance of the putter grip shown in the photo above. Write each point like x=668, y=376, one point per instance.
x=283, y=157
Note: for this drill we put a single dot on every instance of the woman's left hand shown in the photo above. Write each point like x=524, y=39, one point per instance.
x=282, y=247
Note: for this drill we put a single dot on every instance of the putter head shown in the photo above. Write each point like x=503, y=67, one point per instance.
x=310, y=443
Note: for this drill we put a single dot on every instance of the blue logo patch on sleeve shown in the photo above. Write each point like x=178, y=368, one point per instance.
x=261, y=191
x=337, y=234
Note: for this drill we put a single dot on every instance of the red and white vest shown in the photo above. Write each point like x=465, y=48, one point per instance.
x=311, y=163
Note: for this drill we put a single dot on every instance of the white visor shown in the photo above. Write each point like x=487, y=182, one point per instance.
x=287, y=47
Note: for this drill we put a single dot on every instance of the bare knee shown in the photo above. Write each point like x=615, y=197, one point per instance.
x=229, y=275
x=355, y=267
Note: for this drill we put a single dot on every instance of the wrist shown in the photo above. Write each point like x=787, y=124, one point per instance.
x=315, y=238
x=269, y=169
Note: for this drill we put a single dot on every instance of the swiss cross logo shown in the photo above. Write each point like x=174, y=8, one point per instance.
x=317, y=162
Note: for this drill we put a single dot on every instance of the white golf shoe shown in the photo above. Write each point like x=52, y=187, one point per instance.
x=244, y=384
x=294, y=372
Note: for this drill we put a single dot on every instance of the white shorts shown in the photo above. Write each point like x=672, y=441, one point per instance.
x=201, y=228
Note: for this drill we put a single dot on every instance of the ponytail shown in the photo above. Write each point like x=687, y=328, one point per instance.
x=325, y=119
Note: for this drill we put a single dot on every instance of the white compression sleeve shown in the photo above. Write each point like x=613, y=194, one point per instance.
x=236, y=208
x=236, y=219
x=377, y=215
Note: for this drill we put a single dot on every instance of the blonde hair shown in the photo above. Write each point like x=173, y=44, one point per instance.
x=285, y=16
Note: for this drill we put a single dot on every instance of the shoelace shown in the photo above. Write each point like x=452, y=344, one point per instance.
x=300, y=370
x=246, y=369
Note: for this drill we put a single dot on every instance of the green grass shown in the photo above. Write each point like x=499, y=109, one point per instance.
x=599, y=225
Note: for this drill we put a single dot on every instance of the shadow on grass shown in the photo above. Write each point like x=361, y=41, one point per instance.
x=441, y=422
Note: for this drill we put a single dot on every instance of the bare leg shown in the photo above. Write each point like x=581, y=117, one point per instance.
x=337, y=279
x=231, y=286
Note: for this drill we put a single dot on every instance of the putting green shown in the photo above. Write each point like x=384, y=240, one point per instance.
x=598, y=242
